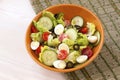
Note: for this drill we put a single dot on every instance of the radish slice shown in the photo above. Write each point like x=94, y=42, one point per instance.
x=63, y=46
x=34, y=45
x=62, y=36
x=59, y=29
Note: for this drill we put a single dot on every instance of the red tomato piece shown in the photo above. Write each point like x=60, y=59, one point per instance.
x=87, y=51
x=62, y=36
x=62, y=54
x=84, y=30
x=67, y=22
x=45, y=36
x=33, y=29
x=38, y=50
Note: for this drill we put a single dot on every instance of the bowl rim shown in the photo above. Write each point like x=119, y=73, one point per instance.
x=75, y=68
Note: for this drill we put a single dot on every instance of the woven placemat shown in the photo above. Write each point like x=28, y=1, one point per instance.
x=107, y=65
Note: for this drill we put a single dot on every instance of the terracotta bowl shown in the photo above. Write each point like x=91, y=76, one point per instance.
x=69, y=12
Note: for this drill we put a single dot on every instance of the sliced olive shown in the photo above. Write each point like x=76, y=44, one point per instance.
x=43, y=43
x=77, y=27
x=76, y=47
x=54, y=35
x=69, y=64
x=56, y=15
x=52, y=30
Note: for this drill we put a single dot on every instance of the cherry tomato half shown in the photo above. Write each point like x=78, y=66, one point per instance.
x=38, y=50
x=45, y=36
x=87, y=51
x=62, y=54
x=33, y=29
x=84, y=30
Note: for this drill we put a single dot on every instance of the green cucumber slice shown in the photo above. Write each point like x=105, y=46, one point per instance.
x=72, y=34
x=48, y=57
x=51, y=16
x=77, y=20
x=97, y=34
x=46, y=22
x=48, y=14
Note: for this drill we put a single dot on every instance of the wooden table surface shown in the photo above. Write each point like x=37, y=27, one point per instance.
x=15, y=63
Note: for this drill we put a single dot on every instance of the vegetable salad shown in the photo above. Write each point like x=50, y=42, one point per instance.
x=62, y=43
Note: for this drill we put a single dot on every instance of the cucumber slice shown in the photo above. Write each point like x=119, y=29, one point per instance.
x=39, y=26
x=77, y=20
x=46, y=22
x=48, y=57
x=72, y=34
x=48, y=14
x=97, y=34
x=51, y=16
